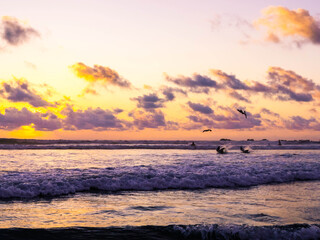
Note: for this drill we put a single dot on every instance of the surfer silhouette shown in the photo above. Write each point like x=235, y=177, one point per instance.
x=244, y=150
x=221, y=150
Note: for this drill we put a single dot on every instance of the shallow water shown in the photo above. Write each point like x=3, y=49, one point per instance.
x=258, y=206
x=147, y=187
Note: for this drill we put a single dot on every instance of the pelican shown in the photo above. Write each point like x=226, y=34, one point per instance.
x=207, y=130
x=243, y=112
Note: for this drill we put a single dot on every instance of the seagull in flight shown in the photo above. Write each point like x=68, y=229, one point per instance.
x=207, y=130
x=243, y=112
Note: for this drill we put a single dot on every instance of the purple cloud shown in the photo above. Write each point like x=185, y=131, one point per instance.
x=229, y=120
x=14, y=118
x=19, y=91
x=93, y=119
x=238, y=96
x=229, y=80
x=117, y=110
x=149, y=102
x=169, y=92
x=142, y=120
x=197, y=83
x=300, y=123
x=200, y=108
x=268, y=112
x=16, y=33
x=290, y=85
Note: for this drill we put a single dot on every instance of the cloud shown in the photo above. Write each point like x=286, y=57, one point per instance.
x=237, y=23
x=169, y=92
x=117, y=110
x=229, y=118
x=291, y=85
x=148, y=87
x=200, y=108
x=14, y=32
x=229, y=80
x=93, y=119
x=290, y=79
x=286, y=85
x=30, y=65
x=14, y=118
x=238, y=96
x=99, y=74
x=142, y=120
x=300, y=123
x=19, y=90
x=283, y=85
x=201, y=122
x=197, y=83
x=260, y=87
x=281, y=22
x=268, y=112
x=313, y=110
x=88, y=90
x=149, y=102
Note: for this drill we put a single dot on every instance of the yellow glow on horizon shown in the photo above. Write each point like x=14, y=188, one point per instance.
x=26, y=132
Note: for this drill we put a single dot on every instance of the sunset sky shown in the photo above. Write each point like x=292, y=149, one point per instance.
x=147, y=69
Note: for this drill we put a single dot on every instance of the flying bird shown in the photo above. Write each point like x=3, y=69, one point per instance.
x=207, y=130
x=243, y=112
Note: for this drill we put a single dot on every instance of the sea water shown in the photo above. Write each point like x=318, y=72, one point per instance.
x=159, y=190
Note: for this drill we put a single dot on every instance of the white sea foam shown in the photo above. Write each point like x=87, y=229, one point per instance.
x=288, y=232
x=227, y=171
x=204, y=145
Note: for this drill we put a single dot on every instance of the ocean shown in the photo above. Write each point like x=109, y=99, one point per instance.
x=159, y=190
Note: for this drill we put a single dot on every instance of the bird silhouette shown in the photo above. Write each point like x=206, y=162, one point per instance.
x=243, y=112
x=207, y=130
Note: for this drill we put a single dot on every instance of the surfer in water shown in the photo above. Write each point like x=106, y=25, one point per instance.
x=193, y=145
x=244, y=150
x=221, y=150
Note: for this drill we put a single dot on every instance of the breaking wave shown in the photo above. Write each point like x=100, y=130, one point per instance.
x=204, y=232
x=56, y=182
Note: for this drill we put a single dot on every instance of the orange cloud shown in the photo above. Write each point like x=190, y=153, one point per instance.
x=281, y=22
x=99, y=74
x=229, y=80
x=148, y=87
x=290, y=79
x=88, y=90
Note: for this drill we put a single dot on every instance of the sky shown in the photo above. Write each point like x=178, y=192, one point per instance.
x=160, y=70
